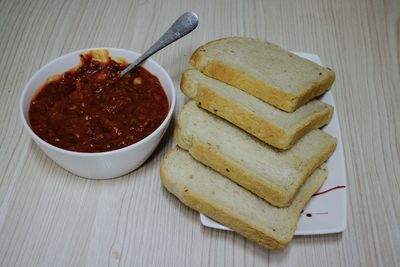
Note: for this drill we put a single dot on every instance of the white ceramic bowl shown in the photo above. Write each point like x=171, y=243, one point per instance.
x=102, y=165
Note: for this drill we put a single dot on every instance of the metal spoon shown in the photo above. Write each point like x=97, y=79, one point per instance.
x=182, y=26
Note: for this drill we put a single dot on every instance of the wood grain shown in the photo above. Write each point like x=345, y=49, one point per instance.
x=49, y=217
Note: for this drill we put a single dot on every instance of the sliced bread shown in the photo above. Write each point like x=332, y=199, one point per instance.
x=208, y=192
x=274, y=175
x=271, y=125
x=264, y=70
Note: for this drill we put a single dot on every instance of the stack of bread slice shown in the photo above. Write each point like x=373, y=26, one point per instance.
x=250, y=152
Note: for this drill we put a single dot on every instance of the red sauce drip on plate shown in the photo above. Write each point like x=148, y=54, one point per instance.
x=330, y=189
x=87, y=109
x=316, y=213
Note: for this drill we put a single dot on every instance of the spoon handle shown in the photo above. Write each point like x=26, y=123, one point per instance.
x=182, y=26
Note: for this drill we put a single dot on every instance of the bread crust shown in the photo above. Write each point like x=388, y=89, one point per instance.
x=249, y=121
x=240, y=225
x=276, y=195
x=286, y=101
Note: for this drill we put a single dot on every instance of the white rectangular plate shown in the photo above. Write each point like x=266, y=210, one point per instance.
x=325, y=213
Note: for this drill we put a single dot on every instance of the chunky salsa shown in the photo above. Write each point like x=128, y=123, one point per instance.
x=88, y=109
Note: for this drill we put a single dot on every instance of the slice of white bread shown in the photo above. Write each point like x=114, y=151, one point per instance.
x=274, y=175
x=264, y=70
x=208, y=192
x=271, y=125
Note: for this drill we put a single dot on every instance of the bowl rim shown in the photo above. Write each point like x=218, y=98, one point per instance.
x=111, y=152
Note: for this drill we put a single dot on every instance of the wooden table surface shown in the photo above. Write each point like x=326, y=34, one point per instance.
x=49, y=217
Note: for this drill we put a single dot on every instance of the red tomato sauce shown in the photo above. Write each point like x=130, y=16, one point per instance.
x=87, y=109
